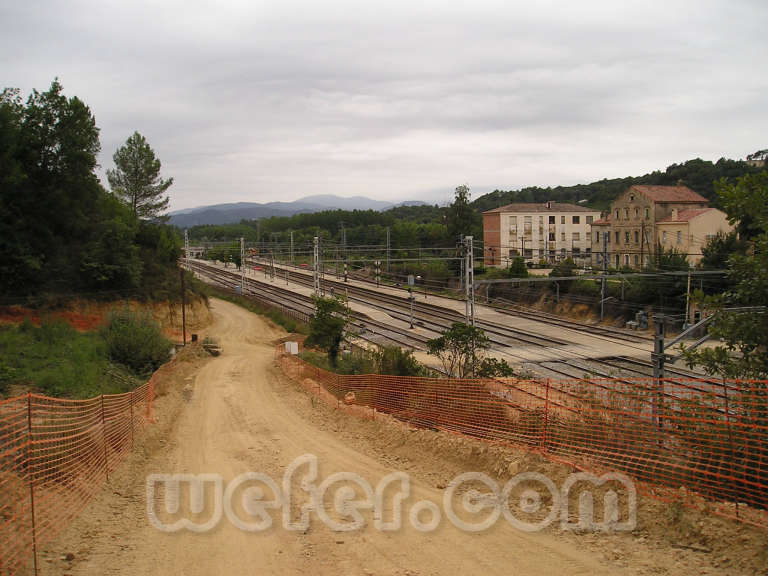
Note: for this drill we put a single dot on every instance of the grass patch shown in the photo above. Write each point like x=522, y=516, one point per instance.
x=57, y=360
x=290, y=324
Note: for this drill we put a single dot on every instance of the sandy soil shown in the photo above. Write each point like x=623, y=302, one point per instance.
x=239, y=414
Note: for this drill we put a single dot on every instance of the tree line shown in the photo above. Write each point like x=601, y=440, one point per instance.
x=61, y=231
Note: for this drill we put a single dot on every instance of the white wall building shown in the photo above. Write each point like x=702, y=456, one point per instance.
x=550, y=231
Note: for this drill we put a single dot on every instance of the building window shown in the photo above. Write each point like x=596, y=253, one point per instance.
x=562, y=219
x=512, y=221
x=513, y=253
x=626, y=259
x=597, y=237
x=637, y=260
x=589, y=219
x=647, y=213
x=576, y=219
x=576, y=236
x=664, y=237
x=528, y=253
x=631, y=197
x=617, y=214
x=617, y=260
x=679, y=237
x=576, y=251
x=626, y=237
x=637, y=212
x=562, y=252
x=562, y=236
x=552, y=237
x=551, y=219
x=527, y=225
x=637, y=236
x=617, y=236
x=626, y=213
x=607, y=237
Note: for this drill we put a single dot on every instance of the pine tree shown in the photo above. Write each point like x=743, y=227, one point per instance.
x=136, y=179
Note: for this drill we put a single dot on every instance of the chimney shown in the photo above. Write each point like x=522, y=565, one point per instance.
x=674, y=213
x=549, y=204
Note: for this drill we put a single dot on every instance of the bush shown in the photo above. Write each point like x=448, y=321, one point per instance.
x=395, y=361
x=135, y=340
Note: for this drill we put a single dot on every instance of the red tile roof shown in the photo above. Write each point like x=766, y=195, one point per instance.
x=669, y=193
x=540, y=207
x=601, y=222
x=686, y=215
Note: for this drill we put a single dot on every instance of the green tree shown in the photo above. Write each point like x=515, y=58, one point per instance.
x=743, y=348
x=136, y=178
x=395, y=361
x=462, y=217
x=717, y=251
x=517, y=268
x=49, y=192
x=459, y=349
x=746, y=203
x=326, y=328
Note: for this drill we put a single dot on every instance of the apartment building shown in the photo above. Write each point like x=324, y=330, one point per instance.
x=550, y=231
x=648, y=219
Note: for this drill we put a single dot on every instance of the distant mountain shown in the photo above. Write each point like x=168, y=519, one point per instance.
x=234, y=212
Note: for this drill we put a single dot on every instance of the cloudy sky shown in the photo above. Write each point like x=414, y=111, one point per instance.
x=260, y=101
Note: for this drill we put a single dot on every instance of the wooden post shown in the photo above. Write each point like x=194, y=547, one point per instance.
x=31, y=481
x=546, y=419
x=104, y=438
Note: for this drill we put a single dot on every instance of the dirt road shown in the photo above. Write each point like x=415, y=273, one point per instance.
x=241, y=415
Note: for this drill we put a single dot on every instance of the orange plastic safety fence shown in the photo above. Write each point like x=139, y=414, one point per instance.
x=54, y=455
x=705, y=435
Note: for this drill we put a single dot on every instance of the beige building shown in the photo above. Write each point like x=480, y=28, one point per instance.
x=648, y=219
x=688, y=231
x=550, y=231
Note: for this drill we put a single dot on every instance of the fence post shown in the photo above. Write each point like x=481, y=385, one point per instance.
x=730, y=436
x=546, y=418
x=150, y=395
x=31, y=480
x=104, y=439
x=131, y=404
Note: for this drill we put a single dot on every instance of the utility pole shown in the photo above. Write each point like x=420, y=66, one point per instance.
x=343, y=241
x=346, y=278
x=462, y=262
x=242, y=264
x=316, y=266
x=378, y=272
x=658, y=358
x=186, y=245
x=272, y=254
x=469, y=290
x=606, y=236
x=183, y=309
x=411, y=297
x=293, y=262
x=387, y=249
x=688, y=301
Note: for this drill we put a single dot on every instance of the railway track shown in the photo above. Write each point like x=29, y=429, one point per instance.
x=429, y=316
x=367, y=328
x=435, y=319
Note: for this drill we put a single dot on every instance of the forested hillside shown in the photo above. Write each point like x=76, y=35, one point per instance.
x=698, y=174
x=61, y=232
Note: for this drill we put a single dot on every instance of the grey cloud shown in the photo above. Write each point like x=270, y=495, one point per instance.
x=260, y=101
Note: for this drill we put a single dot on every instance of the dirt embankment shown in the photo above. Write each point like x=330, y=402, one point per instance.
x=87, y=315
x=238, y=413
